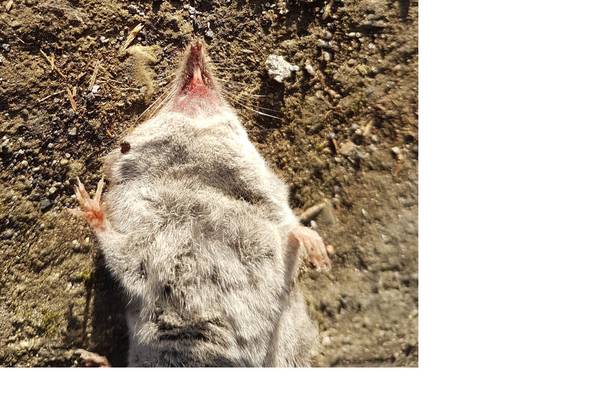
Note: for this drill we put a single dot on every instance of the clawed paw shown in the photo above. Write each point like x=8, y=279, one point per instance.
x=313, y=247
x=90, y=208
x=90, y=359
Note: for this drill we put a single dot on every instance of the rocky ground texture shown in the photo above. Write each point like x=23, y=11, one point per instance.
x=337, y=119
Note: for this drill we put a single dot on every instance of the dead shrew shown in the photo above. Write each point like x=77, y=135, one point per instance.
x=198, y=231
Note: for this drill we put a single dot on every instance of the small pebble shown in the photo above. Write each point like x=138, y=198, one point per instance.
x=75, y=245
x=279, y=69
x=346, y=148
x=45, y=204
x=7, y=234
x=323, y=43
x=309, y=69
x=72, y=131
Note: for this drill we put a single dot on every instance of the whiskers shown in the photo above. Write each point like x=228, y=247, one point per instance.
x=242, y=95
x=229, y=82
x=255, y=109
x=164, y=98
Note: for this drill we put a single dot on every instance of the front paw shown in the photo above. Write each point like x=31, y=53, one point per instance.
x=90, y=208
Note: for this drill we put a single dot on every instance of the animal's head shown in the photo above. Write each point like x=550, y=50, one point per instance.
x=196, y=90
x=195, y=105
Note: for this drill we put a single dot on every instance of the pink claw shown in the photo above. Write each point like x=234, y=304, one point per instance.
x=90, y=208
x=313, y=246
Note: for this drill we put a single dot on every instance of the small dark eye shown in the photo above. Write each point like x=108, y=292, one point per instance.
x=142, y=270
x=125, y=147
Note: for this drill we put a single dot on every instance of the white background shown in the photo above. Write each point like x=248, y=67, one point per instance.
x=509, y=226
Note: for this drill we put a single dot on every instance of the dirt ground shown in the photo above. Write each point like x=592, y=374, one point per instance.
x=344, y=129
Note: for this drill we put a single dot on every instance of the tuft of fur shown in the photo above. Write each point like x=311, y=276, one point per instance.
x=142, y=57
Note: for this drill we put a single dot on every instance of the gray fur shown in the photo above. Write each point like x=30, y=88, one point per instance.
x=198, y=239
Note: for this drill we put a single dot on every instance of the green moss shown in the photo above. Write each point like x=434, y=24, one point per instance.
x=50, y=322
x=83, y=275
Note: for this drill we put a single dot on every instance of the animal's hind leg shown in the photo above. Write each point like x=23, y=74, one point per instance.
x=90, y=359
x=291, y=261
x=313, y=246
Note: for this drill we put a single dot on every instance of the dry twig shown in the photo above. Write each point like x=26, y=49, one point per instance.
x=71, y=96
x=311, y=212
x=131, y=37
x=94, y=75
x=49, y=96
x=366, y=129
x=52, y=61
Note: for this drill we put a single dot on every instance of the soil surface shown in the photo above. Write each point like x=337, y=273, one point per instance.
x=341, y=129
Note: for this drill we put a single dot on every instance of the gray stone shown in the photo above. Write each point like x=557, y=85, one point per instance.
x=45, y=205
x=279, y=69
x=7, y=234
